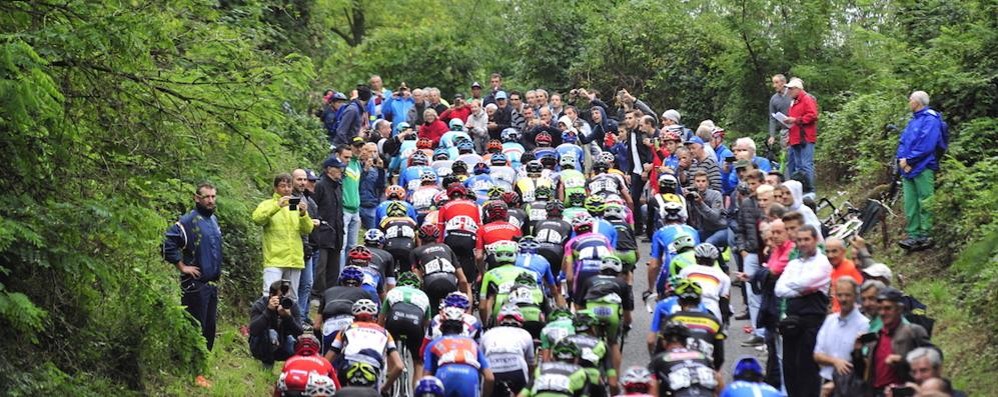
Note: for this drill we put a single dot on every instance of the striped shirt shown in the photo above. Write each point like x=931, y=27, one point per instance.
x=708, y=165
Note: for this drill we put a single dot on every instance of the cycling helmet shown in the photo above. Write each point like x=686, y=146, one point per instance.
x=554, y=208
x=440, y=199
x=568, y=136
x=374, y=237
x=510, y=135
x=429, y=231
x=543, y=193
x=526, y=157
x=505, y=252
x=361, y=374
x=456, y=299
x=395, y=192
x=396, y=209
x=565, y=350
x=429, y=386
x=459, y=167
x=319, y=385
x=496, y=211
x=582, y=223
x=418, y=158
x=600, y=167
x=576, y=199
x=359, y=255
x=548, y=160
x=605, y=157
x=452, y=314
x=496, y=191
x=424, y=143
x=611, y=263
x=450, y=179
x=675, y=331
x=294, y=381
x=427, y=175
x=307, y=344
x=687, y=289
x=560, y=313
x=528, y=244
x=672, y=134
x=706, y=251
x=498, y=159
x=595, y=205
x=441, y=154
x=408, y=279
x=682, y=241
x=615, y=211
x=636, y=380
x=672, y=212
x=494, y=146
x=456, y=124
x=525, y=278
x=465, y=146
x=481, y=168
x=567, y=160
x=456, y=191
x=667, y=183
x=512, y=199
x=584, y=321
x=364, y=310
x=510, y=315
x=534, y=167
x=544, y=138
x=747, y=368
x=351, y=274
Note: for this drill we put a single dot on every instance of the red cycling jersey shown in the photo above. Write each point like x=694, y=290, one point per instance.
x=298, y=367
x=459, y=215
x=497, y=231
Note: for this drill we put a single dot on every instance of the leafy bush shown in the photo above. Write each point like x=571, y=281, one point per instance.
x=853, y=140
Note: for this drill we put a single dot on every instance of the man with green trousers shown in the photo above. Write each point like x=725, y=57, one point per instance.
x=917, y=156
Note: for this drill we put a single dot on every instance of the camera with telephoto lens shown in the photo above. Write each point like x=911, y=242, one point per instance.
x=286, y=302
x=692, y=195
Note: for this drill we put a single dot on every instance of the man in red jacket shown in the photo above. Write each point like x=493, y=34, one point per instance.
x=803, y=123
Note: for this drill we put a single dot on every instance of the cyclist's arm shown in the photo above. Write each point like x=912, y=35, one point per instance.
x=462, y=282
x=395, y=366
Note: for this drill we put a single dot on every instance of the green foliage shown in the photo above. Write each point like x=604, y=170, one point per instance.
x=854, y=141
x=966, y=198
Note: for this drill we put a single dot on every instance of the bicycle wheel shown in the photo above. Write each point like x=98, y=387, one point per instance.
x=403, y=386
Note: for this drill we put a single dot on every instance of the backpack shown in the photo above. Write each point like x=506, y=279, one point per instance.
x=943, y=144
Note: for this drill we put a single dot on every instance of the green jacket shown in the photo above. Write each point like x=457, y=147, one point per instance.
x=351, y=186
x=282, y=231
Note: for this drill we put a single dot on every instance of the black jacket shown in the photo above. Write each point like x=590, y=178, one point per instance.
x=329, y=198
x=747, y=237
x=263, y=320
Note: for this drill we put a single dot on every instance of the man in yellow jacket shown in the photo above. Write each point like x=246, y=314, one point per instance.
x=284, y=219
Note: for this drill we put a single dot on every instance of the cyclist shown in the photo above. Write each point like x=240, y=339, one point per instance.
x=423, y=197
x=534, y=178
x=609, y=298
x=466, y=152
x=716, y=284
x=510, y=350
x=374, y=240
x=551, y=236
x=537, y=210
x=748, y=381
x=456, y=359
x=528, y=258
x=360, y=351
x=438, y=266
x=543, y=148
x=667, y=193
x=306, y=384
x=428, y=386
x=627, y=246
x=502, y=174
x=405, y=313
x=662, y=250
x=596, y=206
x=571, y=180
x=576, y=206
x=706, y=332
x=607, y=184
x=663, y=309
x=472, y=327
x=583, y=253
x=492, y=148
x=517, y=216
x=374, y=283
x=562, y=377
x=441, y=161
x=681, y=371
x=459, y=221
x=530, y=300
x=594, y=353
x=480, y=183
x=393, y=194
x=559, y=326
x=499, y=281
x=400, y=234
x=298, y=368
x=511, y=146
x=683, y=247
x=637, y=382
x=412, y=177
x=459, y=170
x=496, y=228
x=337, y=306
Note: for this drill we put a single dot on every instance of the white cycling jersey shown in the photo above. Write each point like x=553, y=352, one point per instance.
x=509, y=349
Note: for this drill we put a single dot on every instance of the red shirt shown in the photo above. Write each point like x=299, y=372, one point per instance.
x=497, y=231
x=298, y=367
x=456, y=113
x=805, y=109
x=779, y=257
x=455, y=209
x=845, y=268
x=883, y=374
x=433, y=131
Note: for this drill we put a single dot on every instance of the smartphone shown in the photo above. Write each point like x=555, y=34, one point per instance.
x=293, y=202
x=729, y=159
x=903, y=391
x=868, y=337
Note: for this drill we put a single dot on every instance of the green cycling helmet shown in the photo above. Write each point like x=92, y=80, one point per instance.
x=505, y=251
x=560, y=313
x=525, y=278
x=595, y=204
x=686, y=288
x=584, y=321
x=565, y=350
x=408, y=279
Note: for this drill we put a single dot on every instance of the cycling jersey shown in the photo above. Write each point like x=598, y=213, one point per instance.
x=551, y=236
x=471, y=159
x=606, y=185
x=299, y=367
x=363, y=342
x=493, y=232
x=508, y=349
x=532, y=303
x=537, y=264
x=607, y=297
x=656, y=206
x=438, y=262
x=558, y=379
x=741, y=388
x=442, y=167
x=585, y=251
x=679, y=262
x=554, y=331
x=472, y=329
x=571, y=212
x=604, y=227
x=706, y=334
x=406, y=310
x=498, y=283
x=593, y=352
x=661, y=240
x=683, y=373
x=573, y=149
x=376, y=276
x=527, y=186
x=449, y=138
x=536, y=211
x=410, y=177
x=460, y=217
x=572, y=181
x=518, y=218
x=422, y=199
x=667, y=307
x=381, y=212
x=384, y=260
x=513, y=151
x=545, y=151
x=400, y=238
x=625, y=235
x=480, y=184
x=713, y=282
x=503, y=176
x=457, y=361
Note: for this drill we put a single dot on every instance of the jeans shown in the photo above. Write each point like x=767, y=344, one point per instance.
x=754, y=300
x=201, y=300
x=351, y=227
x=917, y=197
x=367, y=217
x=801, y=158
x=719, y=238
x=305, y=286
x=269, y=348
x=272, y=274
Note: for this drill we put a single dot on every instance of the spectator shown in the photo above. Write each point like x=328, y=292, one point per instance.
x=802, y=133
x=671, y=117
x=194, y=246
x=774, y=178
x=476, y=92
x=415, y=115
x=707, y=211
x=841, y=267
x=516, y=110
x=352, y=119
x=351, y=195
x=396, y=107
x=804, y=284
x=503, y=116
x=778, y=103
x=917, y=160
x=478, y=125
x=837, y=336
x=275, y=323
x=331, y=114
x=764, y=284
x=372, y=184
x=556, y=106
x=684, y=167
x=459, y=110
x=703, y=161
x=795, y=202
x=283, y=225
x=435, y=101
x=868, y=293
x=748, y=246
x=432, y=128
x=706, y=132
x=300, y=178
x=328, y=237
x=627, y=102
x=883, y=358
x=926, y=365
x=379, y=94
x=495, y=83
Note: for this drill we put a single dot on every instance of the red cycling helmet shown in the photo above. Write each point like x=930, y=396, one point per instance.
x=494, y=146
x=359, y=255
x=395, y=192
x=496, y=211
x=456, y=191
x=543, y=137
x=424, y=143
x=307, y=345
x=429, y=231
x=512, y=199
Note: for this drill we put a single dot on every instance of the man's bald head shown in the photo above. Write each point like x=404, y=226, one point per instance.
x=777, y=232
x=298, y=180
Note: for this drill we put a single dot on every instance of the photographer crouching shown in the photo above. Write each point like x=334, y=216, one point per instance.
x=707, y=215
x=275, y=323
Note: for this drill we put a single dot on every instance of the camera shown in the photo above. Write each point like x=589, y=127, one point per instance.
x=692, y=195
x=287, y=303
x=293, y=203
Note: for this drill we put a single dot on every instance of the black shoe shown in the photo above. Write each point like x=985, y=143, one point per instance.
x=908, y=243
x=922, y=243
x=754, y=341
x=743, y=316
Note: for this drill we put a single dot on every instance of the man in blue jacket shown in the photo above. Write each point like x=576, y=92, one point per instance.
x=916, y=156
x=194, y=245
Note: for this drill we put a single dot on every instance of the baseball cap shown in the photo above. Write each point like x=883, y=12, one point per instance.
x=476, y=85
x=742, y=164
x=501, y=95
x=332, y=161
x=671, y=114
x=878, y=270
x=310, y=175
x=890, y=294
x=694, y=139
x=795, y=83
x=459, y=96
x=357, y=140
x=717, y=131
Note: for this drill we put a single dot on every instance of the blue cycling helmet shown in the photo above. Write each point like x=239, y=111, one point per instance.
x=481, y=168
x=441, y=154
x=429, y=386
x=351, y=273
x=465, y=145
x=374, y=237
x=498, y=159
x=568, y=136
x=456, y=299
x=747, y=367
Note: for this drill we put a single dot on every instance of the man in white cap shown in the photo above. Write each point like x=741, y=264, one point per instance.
x=802, y=135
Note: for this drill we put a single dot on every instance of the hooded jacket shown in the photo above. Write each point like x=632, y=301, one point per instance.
x=329, y=197
x=797, y=191
x=348, y=122
x=599, y=130
x=396, y=109
x=282, y=231
x=919, y=141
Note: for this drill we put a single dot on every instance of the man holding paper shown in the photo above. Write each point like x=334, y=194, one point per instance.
x=803, y=133
x=779, y=105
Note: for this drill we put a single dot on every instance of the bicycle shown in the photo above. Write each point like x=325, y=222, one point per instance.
x=403, y=386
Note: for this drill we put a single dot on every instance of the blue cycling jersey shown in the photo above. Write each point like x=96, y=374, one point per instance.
x=740, y=388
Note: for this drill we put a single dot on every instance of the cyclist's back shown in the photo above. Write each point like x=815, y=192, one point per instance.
x=509, y=350
x=456, y=360
x=552, y=234
x=741, y=388
x=439, y=265
x=400, y=238
x=558, y=379
x=585, y=251
x=407, y=312
x=683, y=373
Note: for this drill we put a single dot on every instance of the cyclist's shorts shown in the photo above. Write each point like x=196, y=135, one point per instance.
x=400, y=252
x=554, y=255
x=509, y=382
x=438, y=285
x=459, y=380
x=608, y=315
x=406, y=320
x=461, y=242
x=630, y=259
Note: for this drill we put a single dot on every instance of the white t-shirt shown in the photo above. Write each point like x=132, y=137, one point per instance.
x=508, y=349
x=714, y=283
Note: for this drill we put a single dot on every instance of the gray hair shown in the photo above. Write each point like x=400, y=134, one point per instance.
x=935, y=359
x=430, y=110
x=781, y=77
x=879, y=285
x=849, y=280
x=747, y=142
x=921, y=97
x=541, y=91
